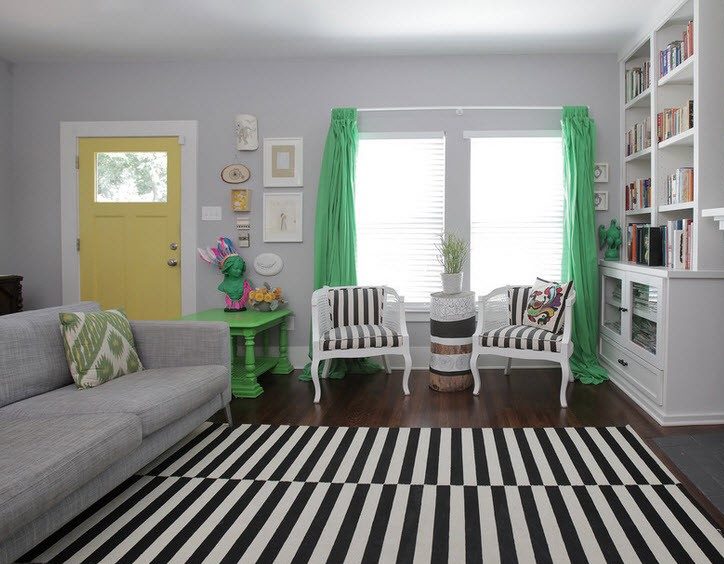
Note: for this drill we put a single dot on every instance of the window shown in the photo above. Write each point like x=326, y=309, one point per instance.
x=516, y=210
x=131, y=176
x=400, y=208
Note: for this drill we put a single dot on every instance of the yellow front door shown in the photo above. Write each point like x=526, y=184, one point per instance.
x=129, y=209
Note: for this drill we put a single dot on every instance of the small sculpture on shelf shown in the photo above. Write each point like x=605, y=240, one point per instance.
x=611, y=239
x=235, y=287
x=266, y=298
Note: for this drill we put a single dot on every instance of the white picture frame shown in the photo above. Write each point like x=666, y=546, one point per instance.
x=283, y=162
x=283, y=217
x=600, y=172
x=600, y=201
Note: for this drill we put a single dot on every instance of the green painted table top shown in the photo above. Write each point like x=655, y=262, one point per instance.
x=248, y=319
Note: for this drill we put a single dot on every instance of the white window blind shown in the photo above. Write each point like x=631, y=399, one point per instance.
x=516, y=209
x=400, y=209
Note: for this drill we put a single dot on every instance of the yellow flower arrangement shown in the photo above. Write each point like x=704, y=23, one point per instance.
x=265, y=298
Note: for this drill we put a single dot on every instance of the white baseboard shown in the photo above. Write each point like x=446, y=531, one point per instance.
x=299, y=357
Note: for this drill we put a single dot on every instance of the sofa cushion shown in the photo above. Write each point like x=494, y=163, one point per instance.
x=45, y=458
x=32, y=358
x=158, y=397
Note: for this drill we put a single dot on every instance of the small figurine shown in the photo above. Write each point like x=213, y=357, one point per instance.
x=235, y=287
x=610, y=237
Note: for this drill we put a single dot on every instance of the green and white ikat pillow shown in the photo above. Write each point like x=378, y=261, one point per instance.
x=99, y=346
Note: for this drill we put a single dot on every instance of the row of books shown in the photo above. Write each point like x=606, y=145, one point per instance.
x=637, y=80
x=638, y=194
x=673, y=121
x=638, y=137
x=680, y=186
x=677, y=52
x=668, y=245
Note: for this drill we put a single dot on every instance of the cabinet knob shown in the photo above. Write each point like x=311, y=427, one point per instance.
x=622, y=362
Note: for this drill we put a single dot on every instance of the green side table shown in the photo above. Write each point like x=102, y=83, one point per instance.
x=248, y=324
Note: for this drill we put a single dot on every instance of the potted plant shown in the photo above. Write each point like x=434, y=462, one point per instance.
x=453, y=254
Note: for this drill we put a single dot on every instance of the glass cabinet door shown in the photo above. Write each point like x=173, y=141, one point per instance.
x=644, y=316
x=612, y=311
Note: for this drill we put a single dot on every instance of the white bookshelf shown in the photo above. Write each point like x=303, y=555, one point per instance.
x=676, y=376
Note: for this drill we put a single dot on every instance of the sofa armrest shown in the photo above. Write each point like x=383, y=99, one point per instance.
x=164, y=344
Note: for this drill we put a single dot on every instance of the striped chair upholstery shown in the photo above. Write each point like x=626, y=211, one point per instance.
x=517, y=302
x=360, y=337
x=356, y=306
x=522, y=337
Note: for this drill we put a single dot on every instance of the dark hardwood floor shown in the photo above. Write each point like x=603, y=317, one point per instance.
x=526, y=398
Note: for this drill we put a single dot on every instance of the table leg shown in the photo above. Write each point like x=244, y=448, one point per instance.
x=243, y=377
x=283, y=366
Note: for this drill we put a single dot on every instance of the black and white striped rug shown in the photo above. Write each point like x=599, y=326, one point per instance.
x=261, y=493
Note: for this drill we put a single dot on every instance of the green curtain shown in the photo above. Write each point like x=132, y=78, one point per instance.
x=334, y=230
x=580, y=254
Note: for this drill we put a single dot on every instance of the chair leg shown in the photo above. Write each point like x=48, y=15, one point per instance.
x=406, y=375
x=325, y=370
x=565, y=376
x=315, y=379
x=386, y=364
x=476, y=373
x=229, y=419
x=507, y=366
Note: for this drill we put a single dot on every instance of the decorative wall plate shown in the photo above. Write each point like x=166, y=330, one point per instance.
x=235, y=174
x=268, y=264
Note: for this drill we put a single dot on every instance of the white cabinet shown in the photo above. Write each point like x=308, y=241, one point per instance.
x=661, y=340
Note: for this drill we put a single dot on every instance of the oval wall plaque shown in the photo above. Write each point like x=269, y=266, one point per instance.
x=268, y=264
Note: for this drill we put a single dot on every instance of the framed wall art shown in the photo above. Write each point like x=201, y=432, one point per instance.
x=241, y=200
x=283, y=162
x=235, y=174
x=600, y=172
x=600, y=201
x=283, y=217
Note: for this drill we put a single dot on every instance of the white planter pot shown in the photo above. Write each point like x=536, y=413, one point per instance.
x=452, y=283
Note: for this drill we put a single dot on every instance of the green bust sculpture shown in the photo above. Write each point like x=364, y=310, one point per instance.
x=610, y=238
x=235, y=287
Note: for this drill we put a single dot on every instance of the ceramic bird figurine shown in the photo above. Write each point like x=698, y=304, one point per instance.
x=610, y=238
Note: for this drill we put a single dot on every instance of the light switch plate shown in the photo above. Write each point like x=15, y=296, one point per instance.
x=210, y=213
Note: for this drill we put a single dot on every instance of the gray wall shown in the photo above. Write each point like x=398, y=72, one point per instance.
x=5, y=174
x=290, y=98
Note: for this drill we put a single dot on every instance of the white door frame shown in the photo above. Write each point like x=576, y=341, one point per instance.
x=70, y=131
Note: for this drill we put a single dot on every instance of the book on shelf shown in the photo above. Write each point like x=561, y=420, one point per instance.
x=637, y=80
x=679, y=244
x=638, y=194
x=638, y=137
x=677, y=52
x=680, y=186
x=673, y=121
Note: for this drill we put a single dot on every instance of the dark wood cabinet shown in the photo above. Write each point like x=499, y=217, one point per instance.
x=11, y=294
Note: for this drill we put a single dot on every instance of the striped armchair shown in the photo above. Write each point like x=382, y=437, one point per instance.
x=358, y=321
x=500, y=331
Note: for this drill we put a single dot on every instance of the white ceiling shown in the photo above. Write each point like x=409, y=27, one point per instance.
x=153, y=30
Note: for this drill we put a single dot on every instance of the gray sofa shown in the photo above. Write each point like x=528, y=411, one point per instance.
x=62, y=449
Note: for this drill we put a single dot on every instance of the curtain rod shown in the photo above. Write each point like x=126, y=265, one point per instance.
x=458, y=109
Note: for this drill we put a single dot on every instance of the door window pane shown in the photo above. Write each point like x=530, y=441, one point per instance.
x=612, y=303
x=132, y=176
x=645, y=314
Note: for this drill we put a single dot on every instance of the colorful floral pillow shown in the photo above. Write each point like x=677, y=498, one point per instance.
x=546, y=305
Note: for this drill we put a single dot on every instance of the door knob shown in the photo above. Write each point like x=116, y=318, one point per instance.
x=172, y=262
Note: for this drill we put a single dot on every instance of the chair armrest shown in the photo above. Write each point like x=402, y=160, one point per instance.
x=482, y=300
x=393, y=316
x=165, y=344
x=568, y=317
x=321, y=317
